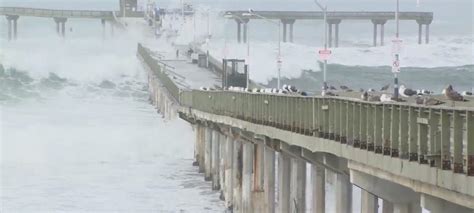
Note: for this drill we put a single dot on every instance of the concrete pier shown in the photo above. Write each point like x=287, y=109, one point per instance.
x=269, y=176
x=237, y=173
x=60, y=26
x=376, y=23
x=298, y=185
x=343, y=194
x=229, y=172
x=287, y=32
x=247, y=169
x=208, y=155
x=284, y=181
x=335, y=23
x=215, y=160
x=369, y=202
x=318, y=180
x=12, y=26
x=258, y=191
x=420, y=30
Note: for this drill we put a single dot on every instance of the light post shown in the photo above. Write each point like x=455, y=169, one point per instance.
x=397, y=54
x=279, y=61
x=324, y=9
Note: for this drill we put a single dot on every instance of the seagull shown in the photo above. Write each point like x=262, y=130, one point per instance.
x=386, y=98
x=332, y=88
x=406, y=92
x=293, y=89
x=371, y=90
x=466, y=93
x=427, y=101
x=385, y=87
x=364, y=96
x=344, y=87
x=452, y=95
x=328, y=93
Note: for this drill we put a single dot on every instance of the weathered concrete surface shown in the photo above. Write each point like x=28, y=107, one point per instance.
x=458, y=188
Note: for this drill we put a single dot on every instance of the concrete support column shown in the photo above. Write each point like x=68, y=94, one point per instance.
x=387, y=206
x=222, y=157
x=298, y=186
x=245, y=33
x=237, y=176
x=284, y=30
x=318, y=179
x=258, y=195
x=239, y=33
x=208, y=155
x=369, y=202
x=102, y=21
x=375, y=34
x=9, y=29
x=229, y=177
x=215, y=160
x=437, y=205
x=336, y=35
x=15, y=29
x=247, y=169
x=284, y=171
x=201, y=148
x=12, y=26
x=269, y=182
x=427, y=38
x=420, y=31
x=291, y=32
x=60, y=26
x=330, y=35
x=382, y=34
x=343, y=194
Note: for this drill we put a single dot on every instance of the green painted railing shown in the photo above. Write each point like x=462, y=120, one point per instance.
x=158, y=71
x=440, y=136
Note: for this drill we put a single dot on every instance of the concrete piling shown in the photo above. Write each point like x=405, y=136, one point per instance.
x=318, y=179
x=369, y=202
x=208, y=155
x=237, y=173
x=284, y=171
x=269, y=179
x=229, y=172
x=298, y=185
x=247, y=169
x=343, y=194
x=215, y=160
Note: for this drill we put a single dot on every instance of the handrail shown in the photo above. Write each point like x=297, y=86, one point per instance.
x=437, y=136
x=40, y=12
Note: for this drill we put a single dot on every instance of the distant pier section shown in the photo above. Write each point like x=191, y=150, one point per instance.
x=288, y=18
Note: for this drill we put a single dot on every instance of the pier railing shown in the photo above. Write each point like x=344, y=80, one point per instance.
x=55, y=13
x=158, y=70
x=442, y=137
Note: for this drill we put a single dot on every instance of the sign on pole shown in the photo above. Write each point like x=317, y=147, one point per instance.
x=396, y=65
x=324, y=54
x=397, y=45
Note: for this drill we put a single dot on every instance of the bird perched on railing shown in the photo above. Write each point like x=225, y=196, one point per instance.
x=452, y=95
x=428, y=101
x=466, y=93
x=406, y=92
x=386, y=98
x=424, y=92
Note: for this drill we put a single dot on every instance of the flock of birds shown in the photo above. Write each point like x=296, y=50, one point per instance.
x=422, y=96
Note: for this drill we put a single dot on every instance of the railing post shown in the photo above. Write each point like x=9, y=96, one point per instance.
x=349, y=123
x=403, y=125
x=337, y=121
x=394, y=136
x=356, y=125
x=457, y=142
x=378, y=139
x=434, y=144
x=412, y=134
x=422, y=136
x=370, y=127
x=470, y=142
x=343, y=122
x=363, y=126
x=386, y=129
x=445, y=140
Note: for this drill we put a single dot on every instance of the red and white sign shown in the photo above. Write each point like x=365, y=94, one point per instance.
x=396, y=66
x=324, y=54
x=397, y=44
